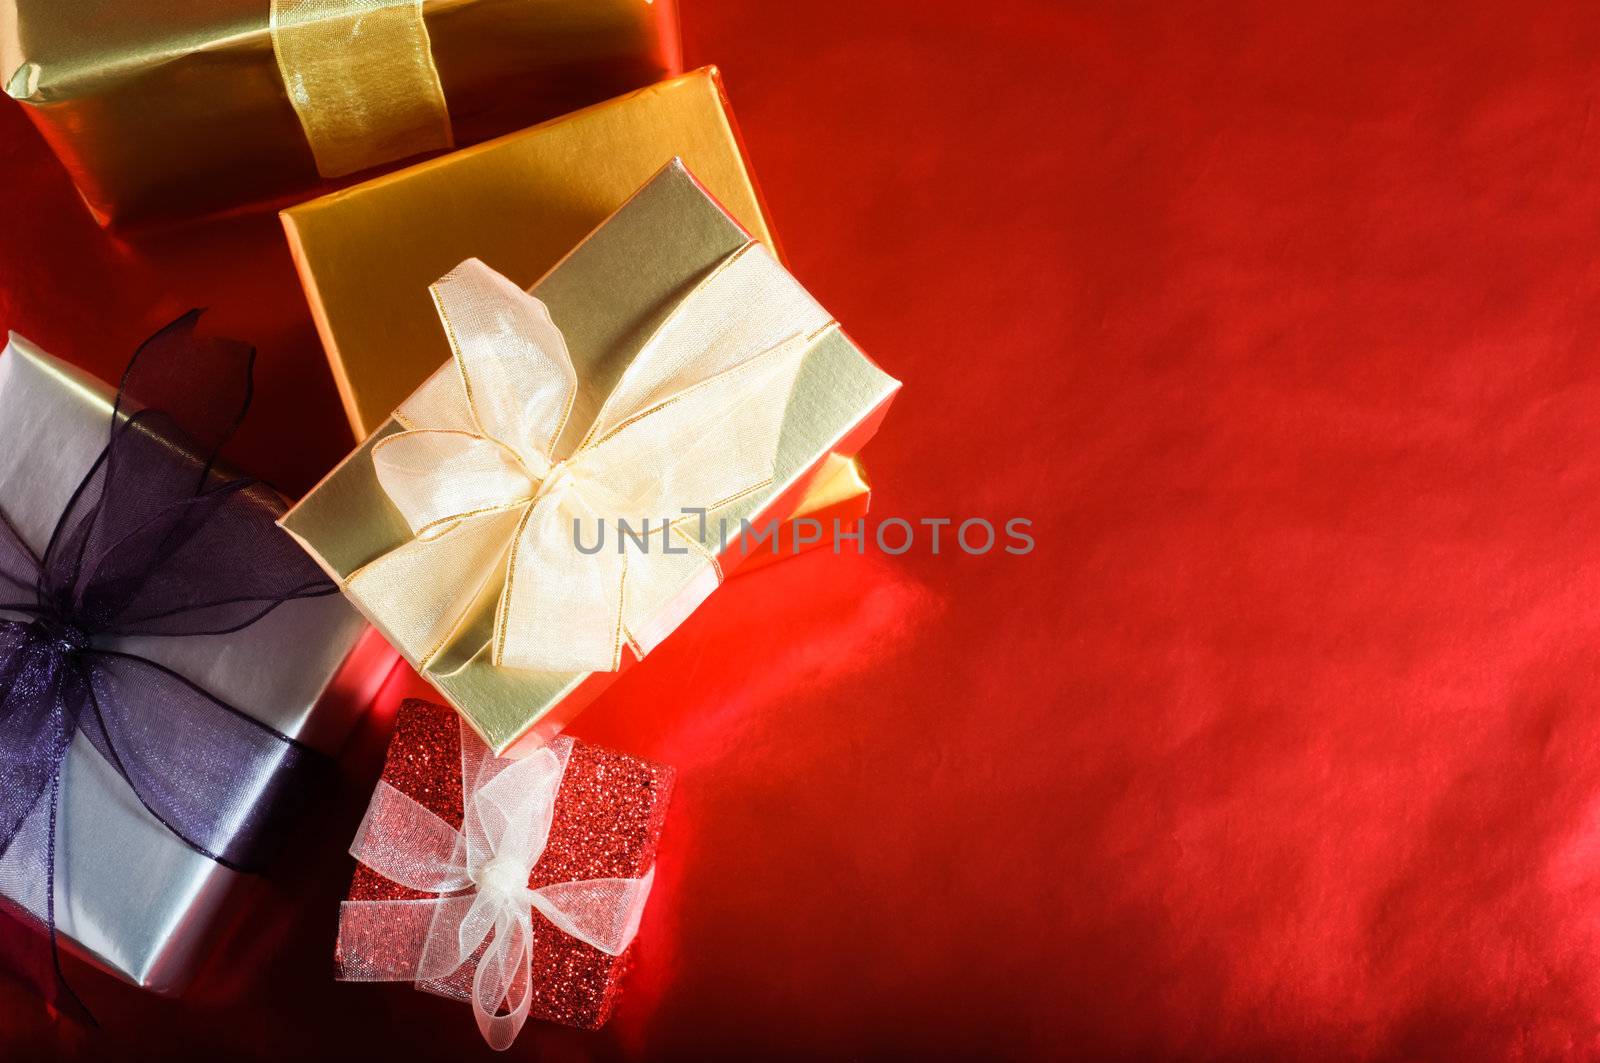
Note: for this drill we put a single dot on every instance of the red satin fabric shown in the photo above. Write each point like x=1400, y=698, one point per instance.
x=1281, y=324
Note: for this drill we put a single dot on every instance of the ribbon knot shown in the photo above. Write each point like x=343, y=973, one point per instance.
x=557, y=478
x=475, y=940
x=59, y=634
x=693, y=424
x=505, y=878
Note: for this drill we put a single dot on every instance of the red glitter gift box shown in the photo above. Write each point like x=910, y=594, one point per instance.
x=605, y=826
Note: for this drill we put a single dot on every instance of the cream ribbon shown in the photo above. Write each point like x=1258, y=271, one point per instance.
x=476, y=941
x=361, y=77
x=694, y=423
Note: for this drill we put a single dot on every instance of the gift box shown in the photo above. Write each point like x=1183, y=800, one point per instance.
x=521, y=203
x=189, y=106
x=129, y=894
x=367, y=254
x=668, y=308
x=555, y=851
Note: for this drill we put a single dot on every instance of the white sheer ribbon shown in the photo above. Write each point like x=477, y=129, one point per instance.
x=474, y=942
x=693, y=424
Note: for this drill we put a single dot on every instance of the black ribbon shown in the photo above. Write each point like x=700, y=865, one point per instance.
x=155, y=541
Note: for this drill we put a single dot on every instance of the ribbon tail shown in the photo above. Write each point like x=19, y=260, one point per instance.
x=223, y=782
x=707, y=446
x=504, y=979
x=40, y=702
x=35, y=727
x=30, y=949
x=443, y=964
x=559, y=612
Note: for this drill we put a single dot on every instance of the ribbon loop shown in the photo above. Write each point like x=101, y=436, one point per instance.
x=514, y=370
x=694, y=423
x=439, y=479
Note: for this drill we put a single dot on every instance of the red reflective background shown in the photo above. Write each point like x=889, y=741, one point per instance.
x=1282, y=327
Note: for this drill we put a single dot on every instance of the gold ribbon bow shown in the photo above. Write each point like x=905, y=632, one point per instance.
x=693, y=424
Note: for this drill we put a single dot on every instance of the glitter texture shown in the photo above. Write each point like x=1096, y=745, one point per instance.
x=607, y=823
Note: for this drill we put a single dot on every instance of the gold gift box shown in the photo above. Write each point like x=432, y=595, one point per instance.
x=366, y=255
x=178, y=106
x=644, y=257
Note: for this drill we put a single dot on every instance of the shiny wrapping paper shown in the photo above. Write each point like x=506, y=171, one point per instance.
x=657, y=246
x=179, y=106
x=130, y=896
x=520, y=203
x=608, y=820
x=367, y=254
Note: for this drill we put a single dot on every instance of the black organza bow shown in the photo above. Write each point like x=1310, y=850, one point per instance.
x=154, y=542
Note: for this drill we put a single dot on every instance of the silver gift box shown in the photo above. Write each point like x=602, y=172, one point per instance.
x=130, y=897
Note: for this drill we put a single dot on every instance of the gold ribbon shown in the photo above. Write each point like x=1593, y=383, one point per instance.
x=361, y=77
x=693, y=423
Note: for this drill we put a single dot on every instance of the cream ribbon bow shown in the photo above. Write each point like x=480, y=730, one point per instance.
x=694, y=423
x=476, y=941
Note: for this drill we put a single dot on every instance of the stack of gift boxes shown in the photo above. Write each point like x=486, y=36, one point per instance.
x=581, y=376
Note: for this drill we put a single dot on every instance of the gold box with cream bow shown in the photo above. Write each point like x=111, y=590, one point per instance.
x=190, y=106
x=598, y=454
x=520, y=203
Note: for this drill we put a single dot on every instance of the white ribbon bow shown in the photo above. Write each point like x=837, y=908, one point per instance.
x=694, y=423
x=475, y=941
